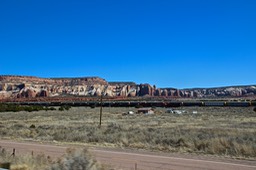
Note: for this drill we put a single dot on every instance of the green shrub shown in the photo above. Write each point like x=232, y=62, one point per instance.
x=17, y=108
x=65, y=107
x=61, y=108
x=49, y=108
x=32, y=126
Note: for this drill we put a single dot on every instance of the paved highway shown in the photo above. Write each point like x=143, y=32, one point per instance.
x=121, y=159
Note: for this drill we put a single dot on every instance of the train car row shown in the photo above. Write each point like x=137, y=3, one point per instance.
x=230, y=103
x=220, y=103
x=147, y=103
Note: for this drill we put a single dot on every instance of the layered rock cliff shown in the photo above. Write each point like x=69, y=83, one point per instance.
x=33, y=87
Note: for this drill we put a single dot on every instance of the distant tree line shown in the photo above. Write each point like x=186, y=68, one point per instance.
x=17, y=108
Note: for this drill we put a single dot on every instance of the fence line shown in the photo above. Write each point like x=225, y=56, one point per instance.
x=138, y=164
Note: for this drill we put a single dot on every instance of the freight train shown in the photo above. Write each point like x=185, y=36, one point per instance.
x=145, y=103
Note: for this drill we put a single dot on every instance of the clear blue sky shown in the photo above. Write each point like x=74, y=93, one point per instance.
x=169, y=43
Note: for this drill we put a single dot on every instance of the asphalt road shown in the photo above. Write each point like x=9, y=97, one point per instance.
x=123, y=159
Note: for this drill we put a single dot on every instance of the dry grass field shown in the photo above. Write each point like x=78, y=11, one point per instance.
x=213, y=130
x=73, y=159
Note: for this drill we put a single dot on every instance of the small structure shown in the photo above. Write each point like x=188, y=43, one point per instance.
x=174, y=111
x=194, y=112
x=147, y=110
x=178, y=112
x=169, y=111
x=128, y=113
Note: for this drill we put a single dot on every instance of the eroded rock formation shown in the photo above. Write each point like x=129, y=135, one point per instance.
x=33, y=87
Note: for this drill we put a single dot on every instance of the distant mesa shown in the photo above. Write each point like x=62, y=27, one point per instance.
x=20, y=87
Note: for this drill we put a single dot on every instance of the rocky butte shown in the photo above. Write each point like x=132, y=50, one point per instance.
x=35, y=87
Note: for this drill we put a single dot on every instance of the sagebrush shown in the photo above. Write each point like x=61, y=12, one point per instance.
x=213, y=130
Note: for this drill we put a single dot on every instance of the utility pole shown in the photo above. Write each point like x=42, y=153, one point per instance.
x=101, y=103
x=101, y=108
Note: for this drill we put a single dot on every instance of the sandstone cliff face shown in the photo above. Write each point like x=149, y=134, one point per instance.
x=33, y=87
